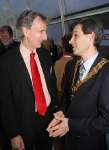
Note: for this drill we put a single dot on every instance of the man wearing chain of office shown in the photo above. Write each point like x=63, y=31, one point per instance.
x=86, y=92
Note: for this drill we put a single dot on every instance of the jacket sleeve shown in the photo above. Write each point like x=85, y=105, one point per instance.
x=7, y=109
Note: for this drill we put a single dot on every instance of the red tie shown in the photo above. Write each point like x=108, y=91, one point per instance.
x=37, y=87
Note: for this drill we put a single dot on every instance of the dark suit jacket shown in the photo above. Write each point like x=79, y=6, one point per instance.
x=87, y=110
x=11, y=46
x=17, y=98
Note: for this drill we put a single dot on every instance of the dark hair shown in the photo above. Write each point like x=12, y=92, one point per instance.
x=8, y=29
x=65, y=43
x=90, y=25
x=27, y=17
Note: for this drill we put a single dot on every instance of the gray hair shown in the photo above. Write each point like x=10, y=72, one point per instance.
x=27, y=17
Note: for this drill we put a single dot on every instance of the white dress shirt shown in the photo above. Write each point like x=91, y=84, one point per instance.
x=26, y=57
x=88, y=64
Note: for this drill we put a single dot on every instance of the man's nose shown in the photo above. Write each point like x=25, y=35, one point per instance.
x=71, y=41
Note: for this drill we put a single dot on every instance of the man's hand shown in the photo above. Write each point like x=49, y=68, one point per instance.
x=55, y=121
x=17, y=143
x=59, y=125
x=60, y=129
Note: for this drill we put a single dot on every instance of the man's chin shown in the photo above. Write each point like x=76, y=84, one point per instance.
x=74, y=52
x=38, y=46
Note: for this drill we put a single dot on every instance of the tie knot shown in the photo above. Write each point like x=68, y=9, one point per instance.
x=32, y=54
x=82, y=67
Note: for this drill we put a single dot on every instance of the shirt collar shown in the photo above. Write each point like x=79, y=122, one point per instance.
x=87, y=64
x=25, y=51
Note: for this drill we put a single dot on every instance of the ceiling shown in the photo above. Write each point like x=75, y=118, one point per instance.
x=9, y=9
x=57, y=11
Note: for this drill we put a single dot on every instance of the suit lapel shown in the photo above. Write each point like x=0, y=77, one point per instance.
x=22, y=69
x=92, y=73
x=96, y=61
x=45, y=66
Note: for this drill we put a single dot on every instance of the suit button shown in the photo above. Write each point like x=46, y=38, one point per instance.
x=71, y=97
x=56, y=106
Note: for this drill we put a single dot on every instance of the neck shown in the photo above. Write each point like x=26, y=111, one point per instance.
x=89, y=53
x=28, y=46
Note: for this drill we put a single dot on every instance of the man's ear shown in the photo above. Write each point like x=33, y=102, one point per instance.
x=91, y=36
x=25, y=31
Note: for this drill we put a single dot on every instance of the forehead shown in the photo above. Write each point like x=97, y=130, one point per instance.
x=39, y=23
x=4, y=32
x=78, y=28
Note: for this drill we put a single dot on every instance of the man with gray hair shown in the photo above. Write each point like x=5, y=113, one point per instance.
x=28, y=91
